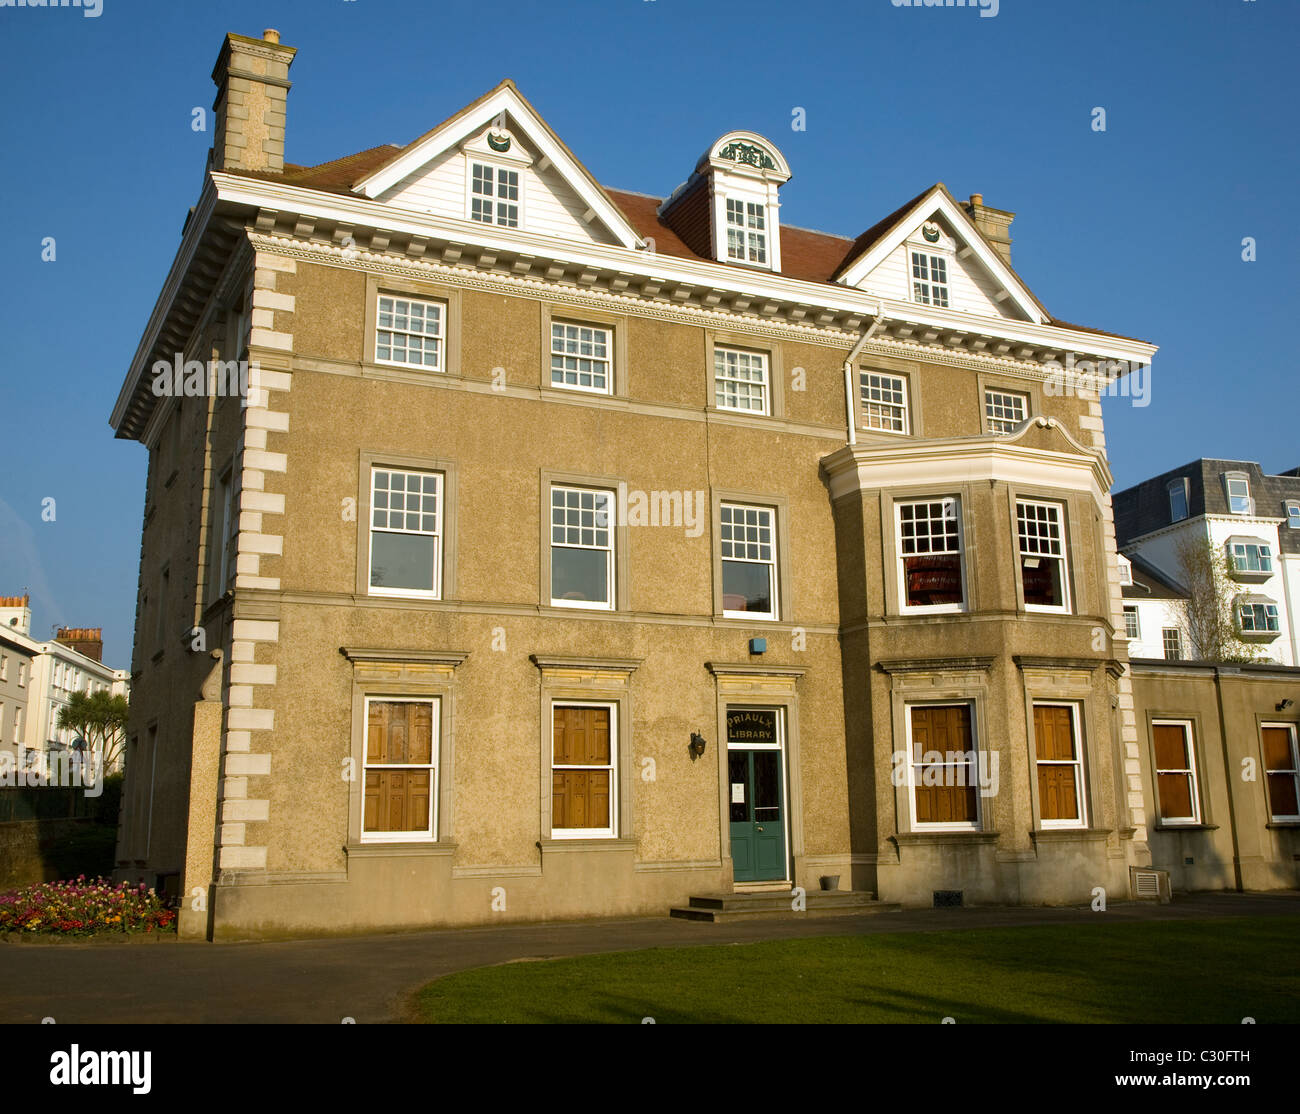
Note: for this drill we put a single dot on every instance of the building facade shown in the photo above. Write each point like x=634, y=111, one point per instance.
x=37, y=678
x=18, y=651
x=573, y=551
x=1249, y=517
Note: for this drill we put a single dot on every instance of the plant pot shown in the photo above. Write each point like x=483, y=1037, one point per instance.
x=830, y=881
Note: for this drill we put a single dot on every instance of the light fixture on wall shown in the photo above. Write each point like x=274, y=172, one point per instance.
x=697, y=745
x=1283, y=705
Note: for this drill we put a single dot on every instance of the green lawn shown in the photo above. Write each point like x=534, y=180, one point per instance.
x=1216, y=971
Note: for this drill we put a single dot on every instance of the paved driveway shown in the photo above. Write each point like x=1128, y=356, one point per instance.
x=369, y=977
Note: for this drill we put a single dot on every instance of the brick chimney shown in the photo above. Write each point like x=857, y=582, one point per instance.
x=994, y=223
x=85, y=640
x=16, y=613
x=252, y=80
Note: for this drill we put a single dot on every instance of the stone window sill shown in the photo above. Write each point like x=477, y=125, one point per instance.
x=398, y=850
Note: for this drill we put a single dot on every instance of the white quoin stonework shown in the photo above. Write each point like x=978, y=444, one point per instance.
x=250, y=688
x=1133, y=794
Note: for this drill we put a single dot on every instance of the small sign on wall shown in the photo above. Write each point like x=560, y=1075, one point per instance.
x=737, y=792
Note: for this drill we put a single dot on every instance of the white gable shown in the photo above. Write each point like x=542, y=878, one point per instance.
x=548, y=204
x=980, y=282
x=971, y=288
x=558, y=196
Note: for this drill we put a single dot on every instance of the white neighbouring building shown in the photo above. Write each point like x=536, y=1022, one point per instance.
x=1153, y=611
x=1250, y=517
x=37, y=678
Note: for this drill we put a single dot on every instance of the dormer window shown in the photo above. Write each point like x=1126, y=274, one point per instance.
x=494, y=194
x=929, y=279
x=1237, y=487
x=727, y=209
x=1125, y=571
x=1178, y=499
x=746, y=232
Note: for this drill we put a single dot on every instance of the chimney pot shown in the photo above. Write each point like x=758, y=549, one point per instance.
x=271, y=35
x=977, y=199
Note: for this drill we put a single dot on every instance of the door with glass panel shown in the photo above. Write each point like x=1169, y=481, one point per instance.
x=756, y=794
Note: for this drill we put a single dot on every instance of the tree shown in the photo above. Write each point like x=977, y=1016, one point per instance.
x=100, y=719
x=1207, y=617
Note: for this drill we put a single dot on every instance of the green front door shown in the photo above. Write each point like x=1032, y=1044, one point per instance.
x=757, y=815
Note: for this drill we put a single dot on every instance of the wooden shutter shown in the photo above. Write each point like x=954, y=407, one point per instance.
x=943, y=729
x=398, y=733
x=1058, y=790
x=580, y=798
x=1173, y=790
x=1278, y=756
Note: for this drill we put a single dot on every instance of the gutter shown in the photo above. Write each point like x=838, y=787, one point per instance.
x=850, y=402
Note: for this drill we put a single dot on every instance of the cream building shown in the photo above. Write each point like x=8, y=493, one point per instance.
x=575, y=551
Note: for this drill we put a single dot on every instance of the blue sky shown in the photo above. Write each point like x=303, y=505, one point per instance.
x=1137, y=229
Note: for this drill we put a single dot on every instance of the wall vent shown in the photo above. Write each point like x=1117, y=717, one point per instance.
x=1146, y=884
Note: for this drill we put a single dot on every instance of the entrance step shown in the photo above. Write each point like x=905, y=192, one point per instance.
x=717, y=908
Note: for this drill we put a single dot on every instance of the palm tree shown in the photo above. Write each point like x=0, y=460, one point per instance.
x=100, y=719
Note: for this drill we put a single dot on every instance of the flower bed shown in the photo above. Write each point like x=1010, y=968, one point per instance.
x=85, y=907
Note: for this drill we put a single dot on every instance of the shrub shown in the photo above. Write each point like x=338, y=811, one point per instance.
x=85, y=907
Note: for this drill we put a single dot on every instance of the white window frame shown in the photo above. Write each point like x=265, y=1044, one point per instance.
x=607, y=361
x=435, y=765
x=611, y=588
x=1264, y=556
x=1064, y=607
x=18, y=723
x=995, y=400
x=437, y=534
x=22, y=674
x=1271, y=613
x=1080, y=781
x=1189, y=743
x=440, y=337
x=951, y=505
x=1136, y=635
x=1293, y=514
x=1290, y=729
x=925, y=258
x=1230, y=478
x=747, y=232
x=897, y=384
x=974, y=766
x=1165, y=632
x=722, y=374
x=1125, y=571
x=610, y=832
x=498, y=202
x=772, y=566
x=1178, y=487
x=4, y=667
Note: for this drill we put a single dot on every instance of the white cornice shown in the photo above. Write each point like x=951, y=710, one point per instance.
x=278, y=196
x=568, y=294
x=194, y=231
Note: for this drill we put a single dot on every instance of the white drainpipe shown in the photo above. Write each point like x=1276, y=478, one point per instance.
x=850, y=399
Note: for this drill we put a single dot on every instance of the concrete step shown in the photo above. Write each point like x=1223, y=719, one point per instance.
x=717, y=908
